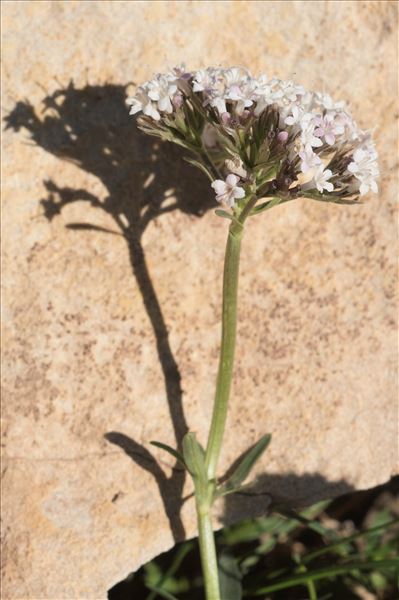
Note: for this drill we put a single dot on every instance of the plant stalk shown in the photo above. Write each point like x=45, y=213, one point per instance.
x=227, y=349
x=208, y=552
x=223, y=386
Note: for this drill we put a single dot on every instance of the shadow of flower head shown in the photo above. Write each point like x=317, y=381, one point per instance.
x=91, y=128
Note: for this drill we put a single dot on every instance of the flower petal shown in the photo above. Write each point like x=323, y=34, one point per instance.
x=232, y=180
x=239, y=192
x=219, y=186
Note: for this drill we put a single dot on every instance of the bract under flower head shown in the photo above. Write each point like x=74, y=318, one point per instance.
x=279, y=132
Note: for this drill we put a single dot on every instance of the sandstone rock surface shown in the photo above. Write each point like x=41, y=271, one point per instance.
x=104, y=341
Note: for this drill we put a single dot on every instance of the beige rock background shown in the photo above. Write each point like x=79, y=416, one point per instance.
x=83, y=333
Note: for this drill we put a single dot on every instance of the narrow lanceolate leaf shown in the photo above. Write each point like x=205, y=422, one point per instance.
x=245, y=466
x=348, y=539
x=229, y=578
x=325, y=573
x=266, y=205
x=223, y=213
x=200, y=166
x=289, y=513
x=313, y=195
x=194, y=456
x=170, y=450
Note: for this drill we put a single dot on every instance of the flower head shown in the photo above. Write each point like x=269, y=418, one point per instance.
x=270, y=132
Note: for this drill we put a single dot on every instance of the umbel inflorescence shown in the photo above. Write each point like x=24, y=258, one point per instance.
x=260, y=137
x=261, y=142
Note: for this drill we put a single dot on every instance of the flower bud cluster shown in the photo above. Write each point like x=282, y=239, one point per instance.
x=267, y=137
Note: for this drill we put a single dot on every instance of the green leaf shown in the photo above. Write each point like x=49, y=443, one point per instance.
x=194, y=456
x=224, y=214
x=162, y=593
x=324, y=573
x=251, y=530
x=244, y=467
x=330, y=197
x=229, y=578
x=351, y=538
x=266, y=205
x=170, y=450
x=200, y=166
x=312, y=524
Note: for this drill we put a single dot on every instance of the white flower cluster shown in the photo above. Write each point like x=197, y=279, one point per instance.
x=313, y=128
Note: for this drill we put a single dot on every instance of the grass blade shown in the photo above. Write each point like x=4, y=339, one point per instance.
x=325, y=573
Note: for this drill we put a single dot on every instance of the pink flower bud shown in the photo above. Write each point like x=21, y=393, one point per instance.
x=282, y=137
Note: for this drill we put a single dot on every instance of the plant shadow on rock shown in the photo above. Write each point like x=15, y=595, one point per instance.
x=288, y=491
x=144, y=178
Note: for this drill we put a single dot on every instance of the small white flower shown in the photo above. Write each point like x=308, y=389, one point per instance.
x=321, y=178
x=218, y=102
x=142, y=102
x=290, y=91
x=204, y=80
x=328, y=128
x=239, y=88
x=363, y=161
x=263, y=87
x=308, y=137
x=243, y=97
x=227, y=192
x=295, y=115
x=162, y=90
x=368, y=184
x=235, y=76
x=324, y=101
x=263, y=94
x=365, y=168
x=310, y=160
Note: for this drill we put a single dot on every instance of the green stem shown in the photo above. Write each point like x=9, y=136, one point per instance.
x=208, y=553
x=227, y=348
x=223, y=385
x=311, y=589
x=229, y=322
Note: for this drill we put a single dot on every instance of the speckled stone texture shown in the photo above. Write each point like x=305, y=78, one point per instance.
x=108, y=336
